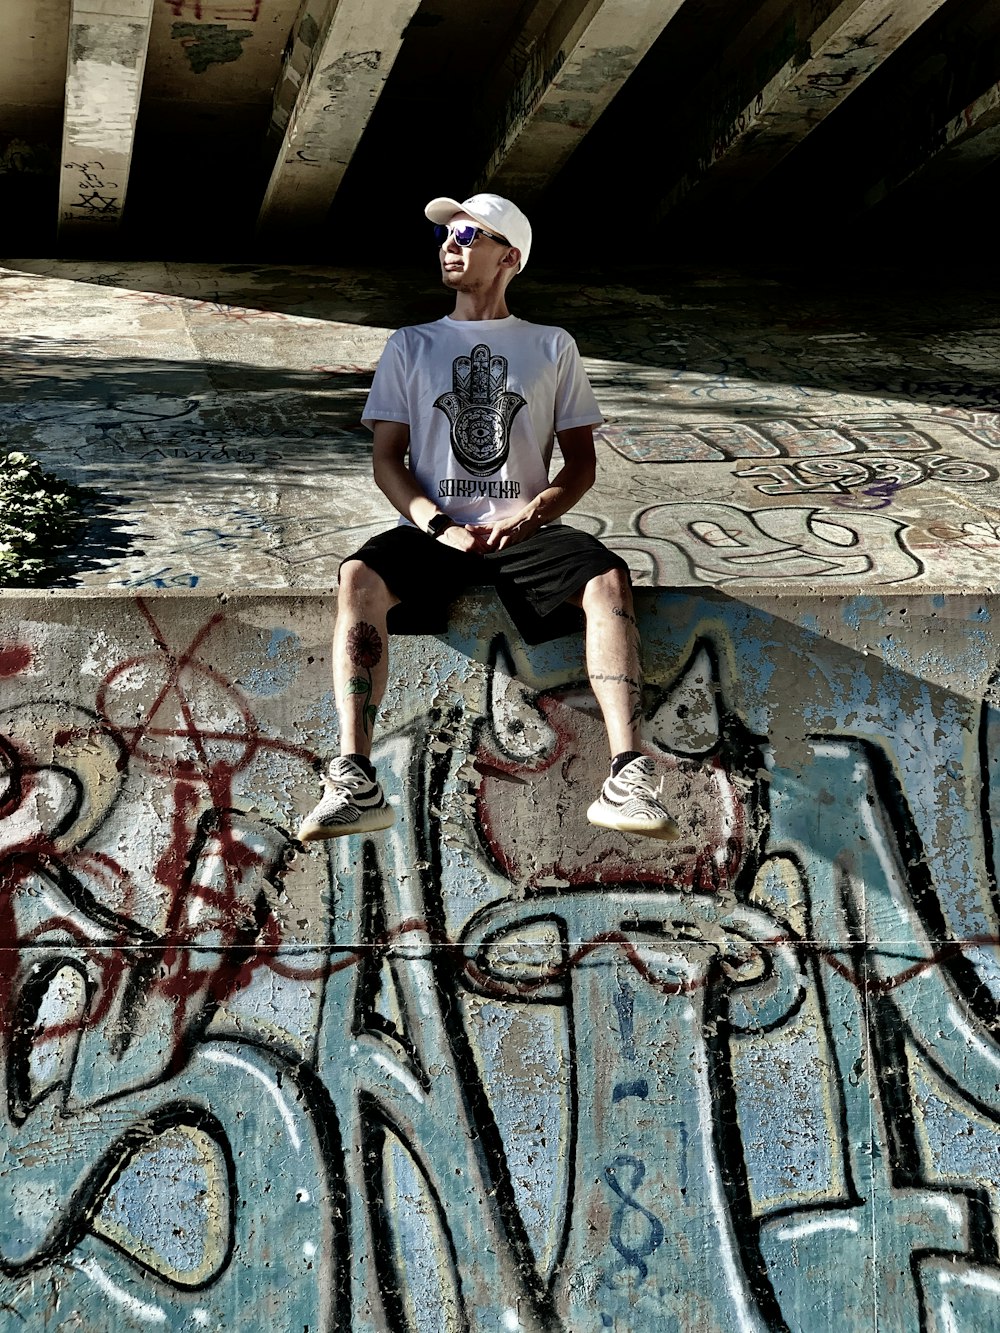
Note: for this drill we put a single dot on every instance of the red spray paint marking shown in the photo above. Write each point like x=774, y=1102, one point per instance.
x=217, y=773
x=203, y=781
x=507, y=989
x=193, y=780
x=221, y=13
x=14, y=660
x=512, y=989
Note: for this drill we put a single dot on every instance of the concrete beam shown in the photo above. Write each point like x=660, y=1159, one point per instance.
x=341, y=55
x=108, y=40
x=295, y=70
x=841, y=53
x=573, y=71
x=968, y=143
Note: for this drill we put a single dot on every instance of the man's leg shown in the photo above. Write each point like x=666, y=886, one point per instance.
x=612, y=642
x=353, y=800
x=630, y=800
x=360, y=654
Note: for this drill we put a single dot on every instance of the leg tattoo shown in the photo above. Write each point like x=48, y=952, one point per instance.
x=614, y=662
x=635, y=686
x=364, y=648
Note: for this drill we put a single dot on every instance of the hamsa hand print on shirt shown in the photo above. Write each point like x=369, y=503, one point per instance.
x=480, y=409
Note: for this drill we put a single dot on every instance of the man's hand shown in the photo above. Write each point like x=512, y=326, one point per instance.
x=509, y=531
x=468, y=540
x=574, y=479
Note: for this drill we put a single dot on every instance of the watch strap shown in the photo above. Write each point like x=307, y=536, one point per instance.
x=440, y=523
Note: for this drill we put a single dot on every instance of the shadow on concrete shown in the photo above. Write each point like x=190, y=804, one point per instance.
x=382, y=298
x=53, y=370
x=136, y=432
x=750, y=346
x=877, y=330
x=84, y=406
x=103, y=540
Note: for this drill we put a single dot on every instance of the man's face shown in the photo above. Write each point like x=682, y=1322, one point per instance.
x=474, y=267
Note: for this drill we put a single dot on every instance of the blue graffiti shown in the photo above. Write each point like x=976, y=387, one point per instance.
x=632, y=1255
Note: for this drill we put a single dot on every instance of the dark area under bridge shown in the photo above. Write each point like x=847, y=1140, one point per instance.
x=308, y=129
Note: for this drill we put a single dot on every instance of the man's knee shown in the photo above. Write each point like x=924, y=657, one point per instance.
x=612, y=587
x=361, y=585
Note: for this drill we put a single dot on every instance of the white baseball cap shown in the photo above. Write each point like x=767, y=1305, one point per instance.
x=491, y=211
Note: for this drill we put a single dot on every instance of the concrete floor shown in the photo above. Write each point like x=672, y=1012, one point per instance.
x=763, y=431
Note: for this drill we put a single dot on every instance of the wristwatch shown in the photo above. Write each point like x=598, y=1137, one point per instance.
x=440, y=523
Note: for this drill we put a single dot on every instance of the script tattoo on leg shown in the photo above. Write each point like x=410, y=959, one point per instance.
x=364, y=649
x=635, y=686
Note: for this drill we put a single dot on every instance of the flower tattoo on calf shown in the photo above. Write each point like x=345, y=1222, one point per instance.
x=364, y=649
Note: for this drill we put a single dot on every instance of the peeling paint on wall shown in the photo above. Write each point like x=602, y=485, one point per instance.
x=101, y=97
x=207, y=44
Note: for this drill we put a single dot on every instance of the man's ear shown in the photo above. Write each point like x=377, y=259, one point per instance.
x=512, y=259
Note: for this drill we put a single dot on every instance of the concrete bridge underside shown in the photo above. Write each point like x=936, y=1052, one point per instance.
x=269, y=127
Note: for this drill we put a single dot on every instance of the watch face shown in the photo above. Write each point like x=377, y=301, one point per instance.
x=438, y=524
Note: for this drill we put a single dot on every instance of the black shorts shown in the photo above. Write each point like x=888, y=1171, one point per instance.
x=534, y=578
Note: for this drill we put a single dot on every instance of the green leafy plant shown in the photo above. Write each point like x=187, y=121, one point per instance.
x=40, y=516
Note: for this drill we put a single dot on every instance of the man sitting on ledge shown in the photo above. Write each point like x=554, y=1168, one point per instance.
x=478, y=398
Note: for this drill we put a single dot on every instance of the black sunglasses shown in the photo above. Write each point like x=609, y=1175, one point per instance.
x=465, y=234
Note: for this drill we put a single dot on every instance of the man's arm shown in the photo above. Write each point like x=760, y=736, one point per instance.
x=398, y=484
x=573, y=480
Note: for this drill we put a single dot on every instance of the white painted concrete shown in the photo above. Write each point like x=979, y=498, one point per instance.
x=107, y=56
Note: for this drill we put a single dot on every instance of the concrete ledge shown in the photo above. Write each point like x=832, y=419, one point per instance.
x=496, y=1067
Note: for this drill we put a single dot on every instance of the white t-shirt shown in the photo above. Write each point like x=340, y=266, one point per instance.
x=483, y=400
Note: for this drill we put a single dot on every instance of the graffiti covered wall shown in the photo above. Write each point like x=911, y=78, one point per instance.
x=498, y=1069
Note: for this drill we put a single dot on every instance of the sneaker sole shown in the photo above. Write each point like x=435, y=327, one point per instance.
x=668, y=832
x=370, y=822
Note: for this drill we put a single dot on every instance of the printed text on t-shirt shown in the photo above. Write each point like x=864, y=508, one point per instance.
x=470, y=490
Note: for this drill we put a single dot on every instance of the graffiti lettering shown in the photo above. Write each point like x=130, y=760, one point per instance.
x=716, y=543
x=915, y=432
x=161, y=578
x=632, y=1256
x=844, y=476
x=98, y=195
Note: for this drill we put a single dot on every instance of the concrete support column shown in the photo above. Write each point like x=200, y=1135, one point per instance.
x=966, y=144
x=108, y=40
x=851, y=43
x=573, y=72
x=353, y=51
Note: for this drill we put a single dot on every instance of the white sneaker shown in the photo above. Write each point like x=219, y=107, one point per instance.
x=352, y=803
x=630, y=803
